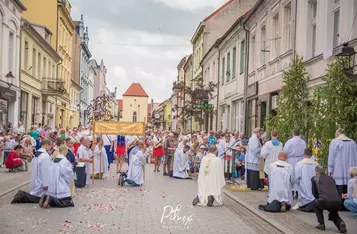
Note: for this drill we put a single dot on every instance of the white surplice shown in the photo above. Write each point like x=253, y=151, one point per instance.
x=136, y=167
x=280, y=182
x=270, y=153
x=61, y=177
x=40, y=174
x=303, y=172
x=210, y=180
x=295, y=148
x=253, y=153
x=181, y=164
x=83, y=153
x=342, y=156
x=97, y=153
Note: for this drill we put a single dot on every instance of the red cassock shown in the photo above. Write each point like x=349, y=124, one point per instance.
x=12, y=160
x=158, y=152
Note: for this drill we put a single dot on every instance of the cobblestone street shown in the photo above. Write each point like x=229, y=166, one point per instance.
x=105, y=208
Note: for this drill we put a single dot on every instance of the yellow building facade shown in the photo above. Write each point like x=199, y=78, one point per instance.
x=38, y=67
x=55, y=15
x=64, y=49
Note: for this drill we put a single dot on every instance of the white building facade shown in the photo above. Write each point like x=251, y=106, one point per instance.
x=10, y=18
x=324, y=26
x=85, y=79
x=231, y=50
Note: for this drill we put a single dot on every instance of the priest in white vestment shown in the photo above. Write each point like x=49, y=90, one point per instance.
x=61, y=177
x=342, y=156
x=303, y=172
x=295, y=148
x=85, y=156
x=252, y=161
x=40, y=166
x=226, y=155
x=210, y=180
x=181, y=163
x=280, y=196
x=100, y=159
x=135, y=176
x=271, y=150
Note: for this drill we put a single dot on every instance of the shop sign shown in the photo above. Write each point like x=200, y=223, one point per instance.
x=252, y=89
x=7, y=93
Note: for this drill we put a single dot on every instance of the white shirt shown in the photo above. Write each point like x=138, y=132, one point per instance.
x=108, y=139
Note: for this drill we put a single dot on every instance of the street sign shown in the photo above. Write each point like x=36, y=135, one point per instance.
x=206, y=106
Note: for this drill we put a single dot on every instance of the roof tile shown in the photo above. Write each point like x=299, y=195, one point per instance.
x=136, y=90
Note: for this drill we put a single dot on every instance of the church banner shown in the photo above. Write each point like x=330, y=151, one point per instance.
x=119, y=128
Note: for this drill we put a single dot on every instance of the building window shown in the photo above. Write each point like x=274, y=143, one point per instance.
x=234, y=60
x=223, y=64
x=336, y=27
x=26, y=56
x=34, y=62
x=241, y=61
x=313, y=10
x=209, y=74
x=228, y=66
x=44, y=67
x=49, y=69
x=134, y=117
x=39, y=66
x=287, y=26
x=213, y=70
x=253, y=53
x=11, y=51
x=276, y=38
x=53, y=71
x=262, y=46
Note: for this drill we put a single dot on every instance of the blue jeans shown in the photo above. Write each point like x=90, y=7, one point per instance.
x=351, y=206
x=132, y=183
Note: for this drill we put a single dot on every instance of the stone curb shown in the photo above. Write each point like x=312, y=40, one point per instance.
x=14, y=188
x=258, y=213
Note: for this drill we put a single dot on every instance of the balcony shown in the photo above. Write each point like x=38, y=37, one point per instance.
x=53, y=86
x=177, y=86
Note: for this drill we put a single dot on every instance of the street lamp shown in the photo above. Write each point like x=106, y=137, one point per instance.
x=347, y=52
x=11, y=77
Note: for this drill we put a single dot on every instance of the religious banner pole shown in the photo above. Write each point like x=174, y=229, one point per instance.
x=100, y=163
x=144, y=146
x=93, y=141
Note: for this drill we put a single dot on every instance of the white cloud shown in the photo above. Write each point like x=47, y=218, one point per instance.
x=191, y=5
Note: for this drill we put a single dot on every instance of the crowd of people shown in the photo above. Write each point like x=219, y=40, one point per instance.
x=57, y=156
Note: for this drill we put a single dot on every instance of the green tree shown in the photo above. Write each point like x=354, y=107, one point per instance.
x=334, y=106
x=292, y=111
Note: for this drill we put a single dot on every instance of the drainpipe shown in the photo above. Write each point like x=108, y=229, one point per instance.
x=218, y=85
x=246, y=77
x=294, y=28
x=58, y=64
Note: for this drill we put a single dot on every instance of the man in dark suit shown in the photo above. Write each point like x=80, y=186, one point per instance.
x=70, y=155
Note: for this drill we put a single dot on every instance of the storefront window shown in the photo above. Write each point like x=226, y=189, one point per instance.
x=24, y=105
x=3, y=114
x=252, y=108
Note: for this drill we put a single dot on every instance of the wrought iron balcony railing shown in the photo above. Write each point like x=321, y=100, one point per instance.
x=177, y=86
x=53, y=86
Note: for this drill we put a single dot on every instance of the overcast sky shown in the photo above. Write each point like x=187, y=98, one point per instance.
x=142, y=40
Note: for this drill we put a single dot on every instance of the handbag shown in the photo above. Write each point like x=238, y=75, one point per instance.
x=235, y=174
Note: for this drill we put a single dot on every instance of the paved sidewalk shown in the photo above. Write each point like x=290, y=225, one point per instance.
x=10, y=181
x=295, y=221
x=105, y=208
